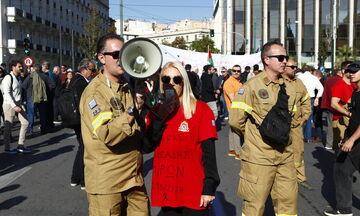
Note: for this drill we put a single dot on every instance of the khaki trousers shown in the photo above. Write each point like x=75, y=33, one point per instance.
x=9, y=116
x=234, y=142
x=297, y=141
x=338, y=133
x=258, y=181
x=133, y=202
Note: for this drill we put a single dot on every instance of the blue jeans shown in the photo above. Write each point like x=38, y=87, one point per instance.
x=222, y=101
x=30, y=113
x=307, y=128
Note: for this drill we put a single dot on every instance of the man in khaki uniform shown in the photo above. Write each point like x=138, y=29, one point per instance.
x=112, y=140
x=264, y=170
x=300, y=114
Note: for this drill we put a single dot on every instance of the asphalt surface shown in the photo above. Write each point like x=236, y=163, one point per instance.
x=39, y=183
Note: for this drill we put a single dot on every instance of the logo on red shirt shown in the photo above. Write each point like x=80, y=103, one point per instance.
x=184, y=127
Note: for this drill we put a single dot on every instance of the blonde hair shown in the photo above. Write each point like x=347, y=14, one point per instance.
x=188, y=98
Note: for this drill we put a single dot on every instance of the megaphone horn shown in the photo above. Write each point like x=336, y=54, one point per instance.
x=140, y=57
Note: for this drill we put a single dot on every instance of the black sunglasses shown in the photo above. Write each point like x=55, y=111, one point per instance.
x=114, y=54
x=294, y=67
x=280, y=57
x=236, y=71
x=176, y=79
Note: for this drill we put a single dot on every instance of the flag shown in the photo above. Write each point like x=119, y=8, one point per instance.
x=210, y=60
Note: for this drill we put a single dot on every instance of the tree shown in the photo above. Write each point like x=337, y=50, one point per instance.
x=324, y=45
x=203, y=44
x=179, y=43
x=94, y=28
x=344, y=53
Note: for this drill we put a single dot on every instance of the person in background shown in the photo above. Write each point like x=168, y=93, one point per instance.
x=188, y=131
x=300, y=114
x=208, y=90
x=221, y=80
x=12, y=107
x=194, y=81
x=58, y=87
x=348, y=155
x=327, y=115
x=78, y=84
x=340, y=98
x=231, y=88
x=62, y=75
x=317, y=132
x=69, y=76
x=311, y=83
x=45, y=68
x=2, y=75
x=244, y=75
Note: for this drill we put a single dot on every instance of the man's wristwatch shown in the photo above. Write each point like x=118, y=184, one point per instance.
x=130, y=111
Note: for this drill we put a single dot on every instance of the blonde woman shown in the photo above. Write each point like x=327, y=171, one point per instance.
x=185, y=175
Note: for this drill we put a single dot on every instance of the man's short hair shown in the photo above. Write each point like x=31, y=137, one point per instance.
x=46, y=64
x=188, y=67
x=306, y=68
x=207, y=67
x=256, y=67
x=236, y=66
x=13, y=63
x=102, y=41
x=247, y=68
x=266, y=49
x=345, y=64
x=84, y=64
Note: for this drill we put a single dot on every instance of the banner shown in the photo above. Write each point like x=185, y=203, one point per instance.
x=198, y=59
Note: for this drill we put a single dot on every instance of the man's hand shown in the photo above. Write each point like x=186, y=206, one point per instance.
x=17, y=109
x=206, y=200
x=316, y=102
x=347, y=146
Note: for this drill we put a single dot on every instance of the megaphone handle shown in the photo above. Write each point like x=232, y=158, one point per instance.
x=153, y=112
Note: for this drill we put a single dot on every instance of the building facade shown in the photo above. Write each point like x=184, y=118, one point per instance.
x=53, y=27
x=190, y=30
x=303, y=26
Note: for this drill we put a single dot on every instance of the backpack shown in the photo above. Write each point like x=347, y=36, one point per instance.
x=275, y=128
x=68, y=104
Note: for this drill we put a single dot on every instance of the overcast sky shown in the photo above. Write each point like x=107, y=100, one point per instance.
x=162, y=11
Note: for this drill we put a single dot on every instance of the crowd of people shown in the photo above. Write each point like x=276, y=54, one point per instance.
x=174, y=112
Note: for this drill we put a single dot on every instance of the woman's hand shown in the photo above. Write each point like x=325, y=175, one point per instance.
x=167, y=107
x=206, y=200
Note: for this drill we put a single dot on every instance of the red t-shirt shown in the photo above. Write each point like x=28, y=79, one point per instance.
x=343, y=91
x=326, y=97
x=178, y=172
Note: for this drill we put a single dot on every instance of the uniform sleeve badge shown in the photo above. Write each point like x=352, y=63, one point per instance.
x=116, y=103
x=96, y=111
x=92, y=104
x=263, y=93
x=241, y=91
x=184, y=127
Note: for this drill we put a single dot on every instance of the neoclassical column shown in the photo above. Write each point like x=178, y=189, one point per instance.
x=351, y=23
x=265, y=22
x=230, y=25
x=248, y=27
x=299, y=31
x=317, y=32
x=282, y=22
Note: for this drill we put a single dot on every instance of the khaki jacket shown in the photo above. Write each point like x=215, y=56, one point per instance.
x=298, y=93
x=112, y=157
x=256, y=98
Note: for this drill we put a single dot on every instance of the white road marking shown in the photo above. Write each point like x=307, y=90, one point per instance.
x=12, y=176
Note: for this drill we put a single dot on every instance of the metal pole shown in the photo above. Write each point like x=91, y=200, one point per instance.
x=72, y=51
x=333, y=41
x=60, y=45
x=121, y=19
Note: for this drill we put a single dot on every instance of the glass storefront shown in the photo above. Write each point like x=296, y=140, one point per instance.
x=357, y=28
x=274, y=20
x=343, y=24
x=308, y=28
x=291, y=22
x=256, y=25
x=240, y=17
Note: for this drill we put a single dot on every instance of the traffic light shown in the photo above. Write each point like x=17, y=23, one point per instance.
x=27, y=46
x=212, y=33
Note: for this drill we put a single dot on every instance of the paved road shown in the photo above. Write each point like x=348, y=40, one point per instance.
x=38, y=183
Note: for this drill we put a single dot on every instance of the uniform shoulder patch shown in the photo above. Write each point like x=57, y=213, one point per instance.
x=241, y=91
x=263, y=93
x=92, y=104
